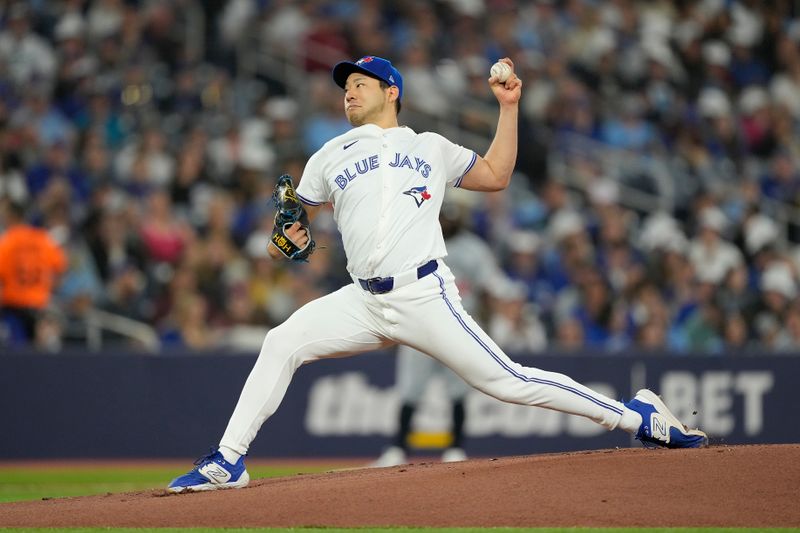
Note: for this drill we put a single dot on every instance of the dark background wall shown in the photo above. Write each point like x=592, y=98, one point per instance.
x=136, y=405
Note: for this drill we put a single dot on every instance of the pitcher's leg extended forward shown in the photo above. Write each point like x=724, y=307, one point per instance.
x=437, y=324
x=335, y=325
x=449, y=334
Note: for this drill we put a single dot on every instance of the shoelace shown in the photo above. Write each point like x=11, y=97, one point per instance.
x=199, y=461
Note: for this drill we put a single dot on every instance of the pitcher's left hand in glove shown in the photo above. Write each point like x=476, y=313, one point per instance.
x=290, y=217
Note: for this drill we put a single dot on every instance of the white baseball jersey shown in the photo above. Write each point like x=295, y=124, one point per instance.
x=386, y=187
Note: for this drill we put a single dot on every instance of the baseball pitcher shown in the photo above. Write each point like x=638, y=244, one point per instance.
x=386, y=184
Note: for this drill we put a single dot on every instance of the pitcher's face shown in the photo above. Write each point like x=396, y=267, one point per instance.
x=364, y=100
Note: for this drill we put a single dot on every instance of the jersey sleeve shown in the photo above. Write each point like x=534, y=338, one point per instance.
x=312, y=189
x=457, y=160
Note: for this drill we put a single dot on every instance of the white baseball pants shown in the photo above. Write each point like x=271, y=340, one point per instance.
x=426, y=315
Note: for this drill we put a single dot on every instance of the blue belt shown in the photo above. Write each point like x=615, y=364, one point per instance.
x=384, y=285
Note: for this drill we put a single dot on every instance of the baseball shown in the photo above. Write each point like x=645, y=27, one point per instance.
x=501, y=71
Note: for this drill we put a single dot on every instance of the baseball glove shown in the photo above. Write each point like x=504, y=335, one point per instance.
x=290, y=210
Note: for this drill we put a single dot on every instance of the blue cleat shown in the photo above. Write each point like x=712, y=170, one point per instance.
x=660, y=428
x=211, y=473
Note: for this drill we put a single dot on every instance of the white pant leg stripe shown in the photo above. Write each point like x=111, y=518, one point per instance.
x=511, y=370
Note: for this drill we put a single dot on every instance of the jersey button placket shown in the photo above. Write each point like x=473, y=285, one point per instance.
x=385, y=196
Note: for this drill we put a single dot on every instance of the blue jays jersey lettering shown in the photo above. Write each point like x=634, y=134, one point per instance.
x=359, y=167
x=371, y=163
x=386, y=189
x=420, y=165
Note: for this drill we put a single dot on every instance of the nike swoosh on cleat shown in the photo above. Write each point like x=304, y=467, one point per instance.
x=346, y=146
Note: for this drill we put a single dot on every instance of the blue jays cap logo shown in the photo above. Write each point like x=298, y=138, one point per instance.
x=374, y=66
x=370, y=59
x=419, y=194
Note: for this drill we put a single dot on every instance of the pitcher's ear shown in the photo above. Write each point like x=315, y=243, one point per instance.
x=395, y=92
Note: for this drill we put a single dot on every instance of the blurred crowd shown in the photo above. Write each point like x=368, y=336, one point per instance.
x=145, y=137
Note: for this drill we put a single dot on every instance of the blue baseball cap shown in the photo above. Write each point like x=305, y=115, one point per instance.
x=373, y=66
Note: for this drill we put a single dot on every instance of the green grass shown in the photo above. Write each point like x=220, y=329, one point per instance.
x=407, y=529
x=34, y=483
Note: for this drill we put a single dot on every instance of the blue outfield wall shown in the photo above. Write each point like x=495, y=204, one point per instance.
x=134, y=405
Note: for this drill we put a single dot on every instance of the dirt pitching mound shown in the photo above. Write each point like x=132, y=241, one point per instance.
x=734, y=486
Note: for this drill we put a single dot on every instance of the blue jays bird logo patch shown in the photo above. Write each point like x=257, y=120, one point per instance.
x=419, y=194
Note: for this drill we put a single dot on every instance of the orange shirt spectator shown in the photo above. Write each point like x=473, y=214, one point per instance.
x=30, y=262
